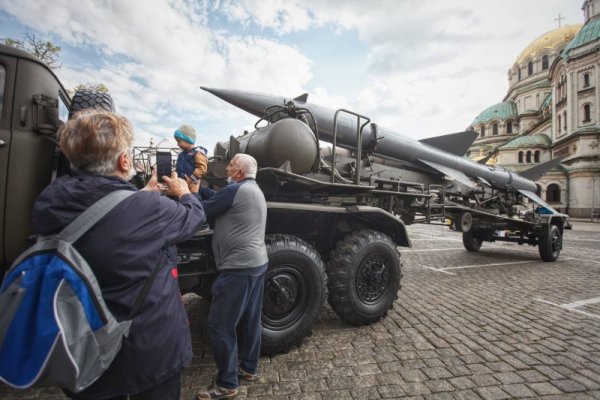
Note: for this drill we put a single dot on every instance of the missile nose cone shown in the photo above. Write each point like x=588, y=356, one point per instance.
x=254, y=103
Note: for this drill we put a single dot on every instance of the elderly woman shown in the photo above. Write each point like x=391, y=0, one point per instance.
x=122, y=250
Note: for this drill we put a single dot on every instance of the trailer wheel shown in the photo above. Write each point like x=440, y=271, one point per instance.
x=550, y=243
x=463, y=222
x=295, y=292
x=364, y=277
x=85, y=99
x=471, y=241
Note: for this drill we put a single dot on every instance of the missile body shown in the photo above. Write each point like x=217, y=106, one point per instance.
x=391, y=145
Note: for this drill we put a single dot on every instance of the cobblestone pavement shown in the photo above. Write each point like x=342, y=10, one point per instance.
x=495, y=324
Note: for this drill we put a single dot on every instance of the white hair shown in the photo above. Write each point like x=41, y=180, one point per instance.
x=247, y=164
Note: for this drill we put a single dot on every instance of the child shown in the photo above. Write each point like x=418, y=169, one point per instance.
x=192, y=160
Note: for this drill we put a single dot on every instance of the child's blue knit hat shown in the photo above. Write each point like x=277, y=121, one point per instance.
x=187, y=133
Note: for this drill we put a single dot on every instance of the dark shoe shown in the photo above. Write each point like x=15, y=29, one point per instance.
x=247, y=375
x=218, y=393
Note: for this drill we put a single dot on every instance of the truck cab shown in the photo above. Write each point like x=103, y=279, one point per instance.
x=33, y=105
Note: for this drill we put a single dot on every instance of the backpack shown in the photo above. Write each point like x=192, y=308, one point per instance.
x=55, y=328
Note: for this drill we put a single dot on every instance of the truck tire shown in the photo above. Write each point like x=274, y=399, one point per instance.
x=550, y=243
x=85, y=99
x=471, y=241
x=295, y=292
x=364, y=277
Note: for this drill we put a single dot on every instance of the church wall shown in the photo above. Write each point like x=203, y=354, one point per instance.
x=585, y=190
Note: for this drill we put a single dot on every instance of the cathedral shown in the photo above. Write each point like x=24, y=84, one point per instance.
x=552, y=109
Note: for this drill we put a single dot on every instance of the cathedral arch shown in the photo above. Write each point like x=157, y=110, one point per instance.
x=545, y=63
x=587, y=112
x=553, y=193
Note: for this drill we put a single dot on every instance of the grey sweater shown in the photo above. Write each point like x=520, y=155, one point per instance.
x=238, y=215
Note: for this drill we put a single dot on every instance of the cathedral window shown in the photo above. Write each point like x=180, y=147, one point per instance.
x=519, y=73
x=587, y=113
x=528, y=157
x=520, y=157
x=509, y=127
x=565, y=120
x=536, y=156
x=553, y=193
x=530, y=68
x=545, y=63
x=586, y=80
x=559, y=124
x=482, y=131
x=495, y=129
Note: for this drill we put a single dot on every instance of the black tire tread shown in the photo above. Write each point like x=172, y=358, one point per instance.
x=339, y=275
x=283, y=342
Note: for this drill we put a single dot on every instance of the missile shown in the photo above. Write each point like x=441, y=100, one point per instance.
x=442, y=154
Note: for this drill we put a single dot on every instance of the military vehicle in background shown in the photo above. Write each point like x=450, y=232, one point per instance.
x=336, y=217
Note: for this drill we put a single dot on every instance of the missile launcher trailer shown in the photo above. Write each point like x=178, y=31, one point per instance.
x=336, y=217
x=419, y=181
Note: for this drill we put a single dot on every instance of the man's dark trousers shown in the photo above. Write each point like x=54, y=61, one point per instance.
x=236, y=300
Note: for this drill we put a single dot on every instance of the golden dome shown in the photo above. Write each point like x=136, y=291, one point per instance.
x=550, y=40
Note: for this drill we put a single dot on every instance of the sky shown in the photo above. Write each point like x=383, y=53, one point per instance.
x=420, y=68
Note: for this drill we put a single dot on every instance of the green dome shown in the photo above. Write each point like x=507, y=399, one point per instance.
x=589, y=33
x=540, y=140
x=500, y=111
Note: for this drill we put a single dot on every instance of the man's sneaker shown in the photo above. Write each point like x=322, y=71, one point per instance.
x=247, y=375
x=218, y=393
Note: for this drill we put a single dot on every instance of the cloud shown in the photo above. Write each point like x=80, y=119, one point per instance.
x=425, y=67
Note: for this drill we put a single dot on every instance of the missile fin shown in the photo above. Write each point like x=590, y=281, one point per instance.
x=455, y=143
x=538, y=200
x=484, y=181
x=485, y=159
x=302, y=98
x=459, y=176
x=538, y=171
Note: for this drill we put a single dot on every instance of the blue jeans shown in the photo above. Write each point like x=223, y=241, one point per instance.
x=236, y=304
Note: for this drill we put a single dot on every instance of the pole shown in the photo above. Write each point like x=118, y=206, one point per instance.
x=593, y=197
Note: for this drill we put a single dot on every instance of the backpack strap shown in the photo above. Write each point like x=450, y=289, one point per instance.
x=72, y=232
x=145, y=289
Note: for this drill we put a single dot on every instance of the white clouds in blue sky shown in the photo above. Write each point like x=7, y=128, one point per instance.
x=420, y=68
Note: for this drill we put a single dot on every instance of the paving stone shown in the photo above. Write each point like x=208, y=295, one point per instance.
x=466, y=395
x=415, y=375
x=568, y=385
x=439, y=385
x=391, y=391
x=532, y=376
x=544, y=388
x=492, y=393
x=508, y=377
x=517, y=390
x=462, y=382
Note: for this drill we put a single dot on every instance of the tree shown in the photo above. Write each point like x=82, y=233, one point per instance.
x=45, y=50
x=48, y=53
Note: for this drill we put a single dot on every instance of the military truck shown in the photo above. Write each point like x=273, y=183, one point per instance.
x=340, y=249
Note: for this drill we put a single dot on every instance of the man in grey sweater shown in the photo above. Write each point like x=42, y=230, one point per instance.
x=238, y=215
